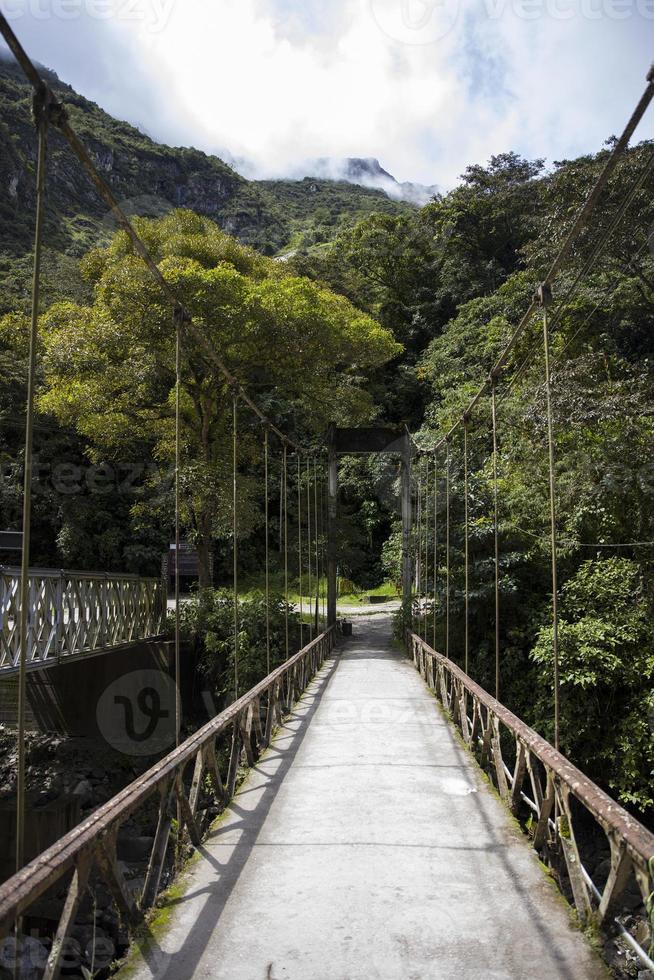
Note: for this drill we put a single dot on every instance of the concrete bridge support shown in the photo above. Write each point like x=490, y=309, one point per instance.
x=107, y=695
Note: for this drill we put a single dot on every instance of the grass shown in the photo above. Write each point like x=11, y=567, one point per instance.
x=387, y=591
x=353, y=597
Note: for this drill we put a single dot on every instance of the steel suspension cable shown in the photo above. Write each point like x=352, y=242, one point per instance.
x=606, y=294
x=436, y=568
x=423, y=570
x=315, y=526
x=426, y=588
x=447, y=552
x=603, y=239
x=299, y=543
x=41, y=120
x=285, y=504
x=412, y=523
x=466, y=544
x=280, y=546
x=496, y=536
x=178, y=433
x=419, y=485
x=267, y=534
x=235, y=533
x=425, y=535
x=545, y=299
x=309, y=549
x=325, y=487
x=322, y=548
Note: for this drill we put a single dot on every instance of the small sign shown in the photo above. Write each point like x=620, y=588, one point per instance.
x=11, y=540
x=189, y=561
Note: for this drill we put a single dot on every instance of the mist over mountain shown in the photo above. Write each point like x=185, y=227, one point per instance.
x=363, y=171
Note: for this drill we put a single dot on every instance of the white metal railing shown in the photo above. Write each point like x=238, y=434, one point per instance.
x=73, y=613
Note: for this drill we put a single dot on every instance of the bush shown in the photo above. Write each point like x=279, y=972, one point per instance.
x=606, y=657
x=208, y=620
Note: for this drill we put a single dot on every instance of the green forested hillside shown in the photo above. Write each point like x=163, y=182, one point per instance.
x=317, y=211
x=149, y=179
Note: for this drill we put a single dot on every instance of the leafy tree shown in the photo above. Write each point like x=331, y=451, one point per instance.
x=208, y=621
x=607, y=676
x=109, y=367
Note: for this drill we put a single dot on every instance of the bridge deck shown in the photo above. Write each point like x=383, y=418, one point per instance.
x=367, y=845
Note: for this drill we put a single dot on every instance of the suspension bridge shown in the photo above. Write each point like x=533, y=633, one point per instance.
x=379, y=813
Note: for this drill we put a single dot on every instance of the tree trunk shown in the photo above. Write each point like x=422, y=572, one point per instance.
x=204, y=518
x=203, y=525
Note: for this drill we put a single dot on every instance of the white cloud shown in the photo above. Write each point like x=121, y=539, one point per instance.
x=427, y=86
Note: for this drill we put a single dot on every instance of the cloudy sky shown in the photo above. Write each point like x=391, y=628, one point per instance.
x=427, y=86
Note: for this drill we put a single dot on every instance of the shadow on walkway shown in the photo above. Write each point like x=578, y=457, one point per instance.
x=181, y=965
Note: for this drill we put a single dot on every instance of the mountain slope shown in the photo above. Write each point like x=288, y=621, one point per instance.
x=368, y=172
x=316, y=210
x=149, y=179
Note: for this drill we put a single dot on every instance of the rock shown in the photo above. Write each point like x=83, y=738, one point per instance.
x=136, y=886
x=135, y=849
x=631, y=898
x=84, y=790
x=102, y=897
x=601, y=872
x=82, y=932
x=84, y=920
x=640, y=932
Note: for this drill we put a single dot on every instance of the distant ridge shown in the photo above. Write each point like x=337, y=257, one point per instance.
x=366, y=172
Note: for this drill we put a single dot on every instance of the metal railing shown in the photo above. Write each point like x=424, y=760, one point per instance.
x=543, y=780
x=248, y=724
x=73, y=613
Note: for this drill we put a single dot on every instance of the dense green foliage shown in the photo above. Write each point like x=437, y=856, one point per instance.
x=607, y=671
x=317, y=211
x=208, y=622
x=109, y=368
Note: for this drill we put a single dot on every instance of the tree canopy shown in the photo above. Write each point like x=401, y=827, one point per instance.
x=109, y=367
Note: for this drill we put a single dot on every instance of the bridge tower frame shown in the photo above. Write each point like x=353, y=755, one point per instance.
x=366, y=442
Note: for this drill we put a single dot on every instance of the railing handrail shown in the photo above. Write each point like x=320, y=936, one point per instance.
x=15, y=572
x=606, y=810
x=18, y=892
x=73, y=613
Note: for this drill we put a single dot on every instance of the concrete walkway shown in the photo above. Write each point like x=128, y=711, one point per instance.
x=366, y=845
